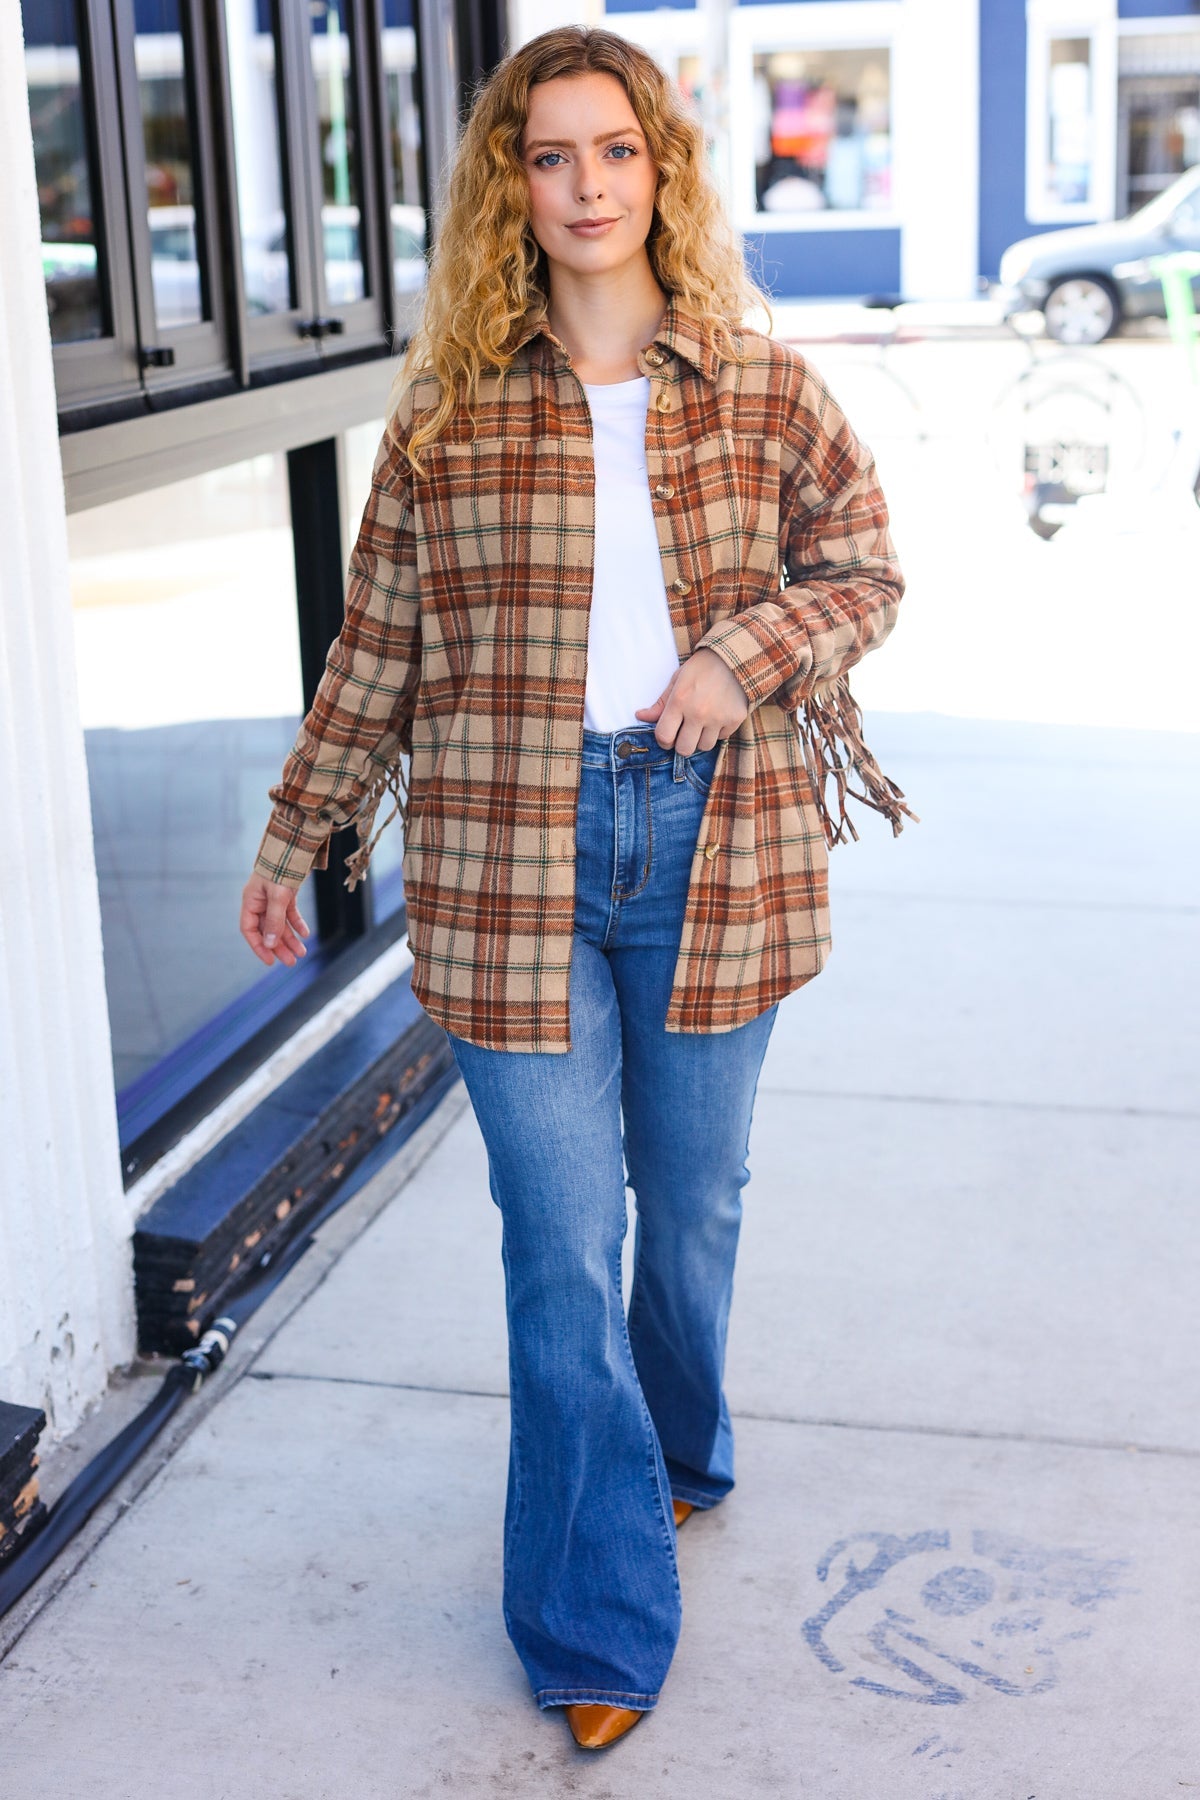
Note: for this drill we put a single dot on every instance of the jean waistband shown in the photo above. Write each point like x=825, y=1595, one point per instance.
x=633, y=747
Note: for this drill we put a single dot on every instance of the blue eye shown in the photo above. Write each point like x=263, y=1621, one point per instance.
x=540, y=162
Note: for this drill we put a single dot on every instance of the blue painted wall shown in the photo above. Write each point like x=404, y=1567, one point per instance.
x=1157, y=9
x=1002, y=55
x=794, y=265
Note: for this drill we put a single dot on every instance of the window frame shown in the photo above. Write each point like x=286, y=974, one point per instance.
x=1046, y=23
x=198, y=351
x=93, y=370
x=821, y=25
x=138, y=366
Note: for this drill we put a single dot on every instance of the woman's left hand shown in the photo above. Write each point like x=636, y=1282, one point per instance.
x=703, y=701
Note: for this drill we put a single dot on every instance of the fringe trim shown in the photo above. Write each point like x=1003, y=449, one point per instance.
x=830, y=729
x=831, y=735
x=390, y=780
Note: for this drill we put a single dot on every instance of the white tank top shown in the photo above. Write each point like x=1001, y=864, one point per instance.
x=631, y=643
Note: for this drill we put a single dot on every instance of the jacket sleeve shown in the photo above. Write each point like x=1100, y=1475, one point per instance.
x=843, y=583
x=363, y=710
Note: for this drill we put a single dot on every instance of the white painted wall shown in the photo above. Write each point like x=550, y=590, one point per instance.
x=528, y=18
x=66, y=1302
x=936, y=99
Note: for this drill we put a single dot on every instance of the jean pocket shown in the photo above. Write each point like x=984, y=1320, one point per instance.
x=700, y=767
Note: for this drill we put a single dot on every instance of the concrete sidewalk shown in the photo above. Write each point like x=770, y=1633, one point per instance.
x=961, y=1561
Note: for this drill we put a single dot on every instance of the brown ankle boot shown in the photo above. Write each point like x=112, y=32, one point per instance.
x=682, y=1509
x=593, y=1727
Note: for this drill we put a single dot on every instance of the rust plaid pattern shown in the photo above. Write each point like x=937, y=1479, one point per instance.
x=459, y=673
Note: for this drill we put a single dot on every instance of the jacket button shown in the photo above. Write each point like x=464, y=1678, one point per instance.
x=681, y=586
x=664, y=490
x=710, y=850
x=655, y=357
x=663, y=402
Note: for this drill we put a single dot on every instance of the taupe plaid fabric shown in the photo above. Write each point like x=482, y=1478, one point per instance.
x=464, y=647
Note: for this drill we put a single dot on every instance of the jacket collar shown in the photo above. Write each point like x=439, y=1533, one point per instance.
x=681, y=333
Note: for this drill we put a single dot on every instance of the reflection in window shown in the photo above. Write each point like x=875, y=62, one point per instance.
x=65, y=178
x=689, y=78
x=341, y=200
x=164, y=93
x=1164, y=135
x=190, y=688
x=360, y=447
x=1159, y=105
x=266, y=243
x=409, y=269
x=822, y=130
x=1069, y=123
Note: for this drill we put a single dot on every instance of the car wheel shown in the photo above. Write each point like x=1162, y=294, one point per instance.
x=1081, y=309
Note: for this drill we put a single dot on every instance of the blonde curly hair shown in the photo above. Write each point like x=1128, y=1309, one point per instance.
x=488, y=275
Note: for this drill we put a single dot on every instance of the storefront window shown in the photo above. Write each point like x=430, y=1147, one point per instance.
x=1069, y=136
x=164, y=90
x=341, y=200
x=822, y=125
x=62, y=140
x=253, y=78
x=190, y=689
x=409, y=268
x=689, y=76
x=1164, y=136
x=1159, y=108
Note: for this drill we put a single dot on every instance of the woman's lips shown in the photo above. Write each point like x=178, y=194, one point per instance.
x=592, y=228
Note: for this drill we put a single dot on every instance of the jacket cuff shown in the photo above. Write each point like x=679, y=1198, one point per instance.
x=761, y=657
x=289, y=852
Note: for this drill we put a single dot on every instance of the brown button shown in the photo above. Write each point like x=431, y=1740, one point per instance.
x=710, y=850
x=655, y=357
x=664, y=490
x=681, y=586
x=624, y=751
x=663, y=402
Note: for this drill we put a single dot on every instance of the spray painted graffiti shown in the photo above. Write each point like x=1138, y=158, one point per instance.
x=946, y=1624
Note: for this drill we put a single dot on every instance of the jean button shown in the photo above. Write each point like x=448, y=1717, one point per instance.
x=624, y=751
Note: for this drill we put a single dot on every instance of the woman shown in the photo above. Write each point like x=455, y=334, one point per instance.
x=567, y=608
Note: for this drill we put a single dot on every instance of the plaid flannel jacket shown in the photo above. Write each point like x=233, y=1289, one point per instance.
x=463, y=652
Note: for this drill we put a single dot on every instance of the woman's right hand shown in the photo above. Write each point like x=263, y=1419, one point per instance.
x=271, y=922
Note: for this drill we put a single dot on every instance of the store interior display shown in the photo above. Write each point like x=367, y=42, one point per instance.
x=822, y=130
x=1069, y=123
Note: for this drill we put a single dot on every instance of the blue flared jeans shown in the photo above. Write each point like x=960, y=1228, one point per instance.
x=611, y=1417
